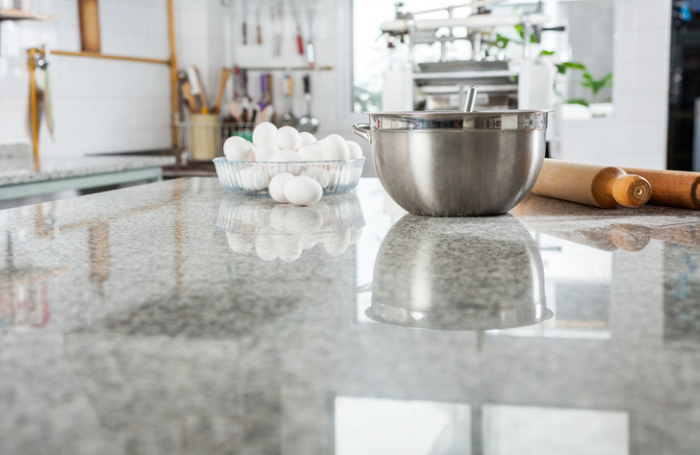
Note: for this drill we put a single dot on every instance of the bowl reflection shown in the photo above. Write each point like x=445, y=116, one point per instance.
x=458, y=274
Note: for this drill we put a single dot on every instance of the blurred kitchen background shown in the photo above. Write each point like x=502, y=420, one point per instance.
x=622, y=74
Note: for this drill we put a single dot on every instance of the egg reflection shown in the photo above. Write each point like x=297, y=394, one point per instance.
x=282, y=231
x=458, y=274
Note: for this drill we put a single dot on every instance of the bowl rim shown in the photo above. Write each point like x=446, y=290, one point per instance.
x=456, y=112
x=223, y=159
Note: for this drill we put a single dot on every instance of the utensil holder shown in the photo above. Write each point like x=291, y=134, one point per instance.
x=203, y=138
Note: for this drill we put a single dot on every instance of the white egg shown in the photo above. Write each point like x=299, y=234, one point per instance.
x=306, y=139
x=278, y=218
x=303, y=191
x=287, y=138
x=303, y=220
x=253, y=178
x=238, y=149
x=244, y=180
x=289, y=248
x=259, y=178
x=355, y=150
x=309, y=241
x=310, y=153
x=264, y=152
x=264, y=133
x=240, y=243
x=335, y=243
x=277, y=185
x=355, y=235
x=335, y=148
x=265, y=247
x=319, y=174
x=289, y=160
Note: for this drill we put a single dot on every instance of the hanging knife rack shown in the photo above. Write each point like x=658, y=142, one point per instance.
x=286, y=68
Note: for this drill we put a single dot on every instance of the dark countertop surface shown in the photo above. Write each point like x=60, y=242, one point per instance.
x=174, y=318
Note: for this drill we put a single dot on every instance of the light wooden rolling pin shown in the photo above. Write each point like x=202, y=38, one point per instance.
x=672, y=188
x=598, y=186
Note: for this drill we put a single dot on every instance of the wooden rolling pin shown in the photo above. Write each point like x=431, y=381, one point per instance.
x=672, y=188
x=597, y=186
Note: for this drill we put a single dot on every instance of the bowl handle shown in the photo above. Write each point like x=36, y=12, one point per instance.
x=363, y=130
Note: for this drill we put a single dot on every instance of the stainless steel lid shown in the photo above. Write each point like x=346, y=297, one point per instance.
x=520, y=119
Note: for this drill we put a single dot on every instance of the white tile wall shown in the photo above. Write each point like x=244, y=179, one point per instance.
x=102, y=105
x=99, y=105
x=636, y=136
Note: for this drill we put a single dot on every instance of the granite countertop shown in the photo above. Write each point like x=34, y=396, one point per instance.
x=175, y=318
x=18, y=169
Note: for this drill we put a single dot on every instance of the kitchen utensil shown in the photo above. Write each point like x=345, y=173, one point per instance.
x=264, y=101
x=269, y=86
x=266, y=115
x=244, y=25
x=247, y=105
x=343, y=175
x=197, y=88
x=277, y=19
x=307, y=122
x=189, y=98
x=235, y=105
x=430, y=273
x=258, y=28
x=310, y=50
x=672, y=188
x=288, y=119
x=452, y=163
x=202, y=92
x=225, y=73
x=598, y=186
x=296, y=15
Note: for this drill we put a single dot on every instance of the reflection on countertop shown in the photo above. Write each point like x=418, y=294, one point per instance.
x=166, y=335
x=458, y=274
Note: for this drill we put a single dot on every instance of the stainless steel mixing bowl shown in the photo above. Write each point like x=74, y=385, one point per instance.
x=451, y=163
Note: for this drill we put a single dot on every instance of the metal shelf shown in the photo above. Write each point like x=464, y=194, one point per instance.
x=463, y=75
x=448, y=89
x=17, y=14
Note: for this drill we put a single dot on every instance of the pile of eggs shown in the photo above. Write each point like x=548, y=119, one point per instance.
x=285, y=150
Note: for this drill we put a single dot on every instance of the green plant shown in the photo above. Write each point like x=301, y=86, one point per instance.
x=501, y=42
x=589, y=82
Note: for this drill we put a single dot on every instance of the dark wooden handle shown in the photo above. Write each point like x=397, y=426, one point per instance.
x=672, y=188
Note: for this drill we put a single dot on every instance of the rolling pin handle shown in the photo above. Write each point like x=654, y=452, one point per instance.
x=631, y=191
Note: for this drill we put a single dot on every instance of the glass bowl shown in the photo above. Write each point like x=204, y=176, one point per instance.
x=253, y=177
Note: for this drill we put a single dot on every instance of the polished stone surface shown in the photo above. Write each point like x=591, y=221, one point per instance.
x=173, y=318
x=20, y=168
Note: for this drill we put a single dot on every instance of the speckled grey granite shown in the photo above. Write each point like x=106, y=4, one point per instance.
x=132, y=323
x=18, y=169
